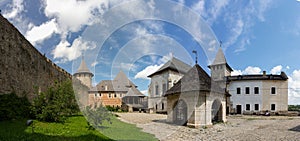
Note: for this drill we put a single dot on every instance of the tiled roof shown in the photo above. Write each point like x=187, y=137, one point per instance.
x=120, y=83
x=173, y=64
x=134, y=92
x=196, y=79
x=282, y=76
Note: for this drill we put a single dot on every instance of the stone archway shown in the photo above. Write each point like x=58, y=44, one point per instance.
x=217, y=111
x=180, y=113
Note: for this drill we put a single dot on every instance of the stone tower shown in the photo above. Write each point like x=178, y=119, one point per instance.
x=84, y=74
x=220, y=69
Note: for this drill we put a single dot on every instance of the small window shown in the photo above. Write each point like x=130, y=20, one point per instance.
x=100, y=94
x=273, y=90
x=109, y=95
x=256, y=90
x=115, y=95
x=238, y=90
x=162, y=106
x=95, y=94
x=156, y=89
x=164, y=87
x=247, y=91
x=273, y=107
x=256, y=107
x=247, y=107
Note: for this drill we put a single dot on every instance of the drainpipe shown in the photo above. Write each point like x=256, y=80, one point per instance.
x=205, y=109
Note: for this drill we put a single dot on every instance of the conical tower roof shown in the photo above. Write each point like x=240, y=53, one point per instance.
x=220, y=59
x=83, y=67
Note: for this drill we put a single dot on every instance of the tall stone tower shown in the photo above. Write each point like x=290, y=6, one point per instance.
x=220, y=69
x=84, y=74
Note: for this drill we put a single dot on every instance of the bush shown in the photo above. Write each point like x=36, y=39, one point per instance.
x=294, y=108
x=14, y=107
x=56, y=103
x=96, y=115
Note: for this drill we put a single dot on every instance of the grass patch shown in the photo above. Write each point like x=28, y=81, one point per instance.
x=74, y=129
x=119, y=130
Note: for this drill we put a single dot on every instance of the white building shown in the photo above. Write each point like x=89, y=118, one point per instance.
x=256, y=94
x=162, y=80
x=251, y=94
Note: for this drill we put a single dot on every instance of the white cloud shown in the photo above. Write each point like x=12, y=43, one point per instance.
x=67, y=52
x=199, y=7
x=238, y=17
x=236, y=72
x=276, y=70
x=15, y=15
x=16, y=8
x=147, y=71
x=145, y=92
x=39, y=33
x=294, y=87
x=252, y=70
x=72, y=15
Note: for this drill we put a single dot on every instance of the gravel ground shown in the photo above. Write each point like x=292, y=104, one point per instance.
x=245, y=128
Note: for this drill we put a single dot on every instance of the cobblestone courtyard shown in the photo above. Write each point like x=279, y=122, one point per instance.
x=250, y=128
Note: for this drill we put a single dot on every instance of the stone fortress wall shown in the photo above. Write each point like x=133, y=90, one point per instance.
x=23, y=69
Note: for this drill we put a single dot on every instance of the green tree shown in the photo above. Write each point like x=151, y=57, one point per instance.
x=56, y=103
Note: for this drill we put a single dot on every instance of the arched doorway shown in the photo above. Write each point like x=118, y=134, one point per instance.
x=180, y=113
x=216, y=111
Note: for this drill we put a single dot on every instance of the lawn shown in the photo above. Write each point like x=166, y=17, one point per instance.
x=74, y=129
x=119, y=130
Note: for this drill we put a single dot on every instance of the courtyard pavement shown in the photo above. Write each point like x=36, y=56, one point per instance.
x=238, y=128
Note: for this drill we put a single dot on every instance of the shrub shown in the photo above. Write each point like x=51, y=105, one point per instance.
x=14, y=107
x=56, y=103
x=96, y=115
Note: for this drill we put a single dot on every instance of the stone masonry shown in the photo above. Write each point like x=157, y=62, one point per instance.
x=23, y=69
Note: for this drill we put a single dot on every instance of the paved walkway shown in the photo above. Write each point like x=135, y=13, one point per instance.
x=238, y=128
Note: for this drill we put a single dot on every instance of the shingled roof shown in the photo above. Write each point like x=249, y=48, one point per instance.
x=134, y=92
x=282, y=76
x=196, y=79
x=220, y=59
x=173, y=64
x=83, y=68
x=120, y=83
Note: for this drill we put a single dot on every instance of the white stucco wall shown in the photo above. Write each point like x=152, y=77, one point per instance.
x=243, y=99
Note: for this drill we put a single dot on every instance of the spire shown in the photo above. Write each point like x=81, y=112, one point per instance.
x=220, y=58
x=83, y=67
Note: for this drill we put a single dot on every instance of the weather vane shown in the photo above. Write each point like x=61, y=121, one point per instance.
x=194, y=51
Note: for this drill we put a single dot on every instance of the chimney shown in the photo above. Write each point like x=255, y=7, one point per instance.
x=264, y=73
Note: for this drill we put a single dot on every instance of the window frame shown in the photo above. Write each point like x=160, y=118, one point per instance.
x=255, y=107
x=238, y=90
x=247, y=89
x=273, y=87
x=256, y=90
x=272, y=107
x=248, y=107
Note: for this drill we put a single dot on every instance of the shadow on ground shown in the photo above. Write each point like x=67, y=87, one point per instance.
x=296, y=129
x=16, y=131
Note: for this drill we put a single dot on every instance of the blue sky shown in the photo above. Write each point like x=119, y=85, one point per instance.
x=137, y=37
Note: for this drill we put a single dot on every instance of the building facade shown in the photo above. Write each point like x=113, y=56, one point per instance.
x=196, y=100
x=162, y=80
x=256, y=94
